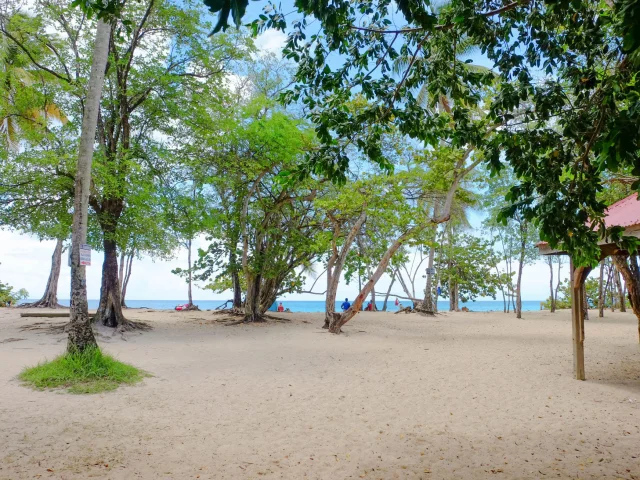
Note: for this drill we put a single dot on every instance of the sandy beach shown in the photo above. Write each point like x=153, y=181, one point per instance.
x=459, y=396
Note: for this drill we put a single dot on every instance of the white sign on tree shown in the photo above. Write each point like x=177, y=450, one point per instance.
x=85, y=255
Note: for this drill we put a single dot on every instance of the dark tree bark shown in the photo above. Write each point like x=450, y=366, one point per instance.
x=252, y=301
x=631, y=274
x=50, y=297
x=235, y=279
x=110, y=308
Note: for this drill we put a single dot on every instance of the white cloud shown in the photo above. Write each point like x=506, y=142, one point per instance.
x=25, y=262
x=271, y=41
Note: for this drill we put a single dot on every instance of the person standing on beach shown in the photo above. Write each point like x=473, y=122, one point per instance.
x=345, y=305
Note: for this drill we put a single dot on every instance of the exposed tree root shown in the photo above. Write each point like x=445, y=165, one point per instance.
x=405, y=310
x=40, y=304
x=45, y=327
x=131, y=325
x=229, y=311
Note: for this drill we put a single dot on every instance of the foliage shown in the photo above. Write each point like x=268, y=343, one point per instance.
x=560, y=134
x=7, y=295
x=467, y=263
x=89, y=371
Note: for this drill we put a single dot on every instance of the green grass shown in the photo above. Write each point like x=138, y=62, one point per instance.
x=88, y=372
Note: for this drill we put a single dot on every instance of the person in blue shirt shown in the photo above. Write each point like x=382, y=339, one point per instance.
x=345, y=305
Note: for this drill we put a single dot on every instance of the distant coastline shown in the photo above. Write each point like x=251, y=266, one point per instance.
x=317, y=305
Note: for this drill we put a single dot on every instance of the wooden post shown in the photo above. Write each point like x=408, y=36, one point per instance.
x=578, y=277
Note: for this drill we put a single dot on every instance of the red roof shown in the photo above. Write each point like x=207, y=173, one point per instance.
x=623, y=213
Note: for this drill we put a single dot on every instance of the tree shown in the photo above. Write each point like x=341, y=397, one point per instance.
x=628, y=267
x=30, y=201
x=80, y=334
x=466, y=265
x=586, y=48
x=516, y=234
x=9, y=297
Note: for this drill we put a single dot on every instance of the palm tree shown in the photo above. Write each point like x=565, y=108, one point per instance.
x=22, y=103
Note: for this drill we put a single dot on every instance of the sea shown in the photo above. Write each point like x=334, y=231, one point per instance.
x=315, y=305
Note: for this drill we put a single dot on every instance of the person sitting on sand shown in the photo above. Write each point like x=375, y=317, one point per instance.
x=345, y=305
x=369, y=307
x=280, y=307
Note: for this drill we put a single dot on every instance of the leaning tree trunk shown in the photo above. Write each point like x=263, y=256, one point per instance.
x=127, y=276
x=631, y=274
x=80, y=333
x=121, y=264
x=50, y=297
x=601, y=291
x=110, y=308
x=334, y=269
x=339, y=320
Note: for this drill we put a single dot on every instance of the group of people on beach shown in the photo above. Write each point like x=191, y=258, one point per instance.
x=346, y=305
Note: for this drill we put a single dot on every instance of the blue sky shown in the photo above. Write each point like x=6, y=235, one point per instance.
x=25, y=261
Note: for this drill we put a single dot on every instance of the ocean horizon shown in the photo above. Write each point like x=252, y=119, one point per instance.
x=313, y=305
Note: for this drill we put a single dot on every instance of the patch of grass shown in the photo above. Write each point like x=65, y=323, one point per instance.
x=90, y=371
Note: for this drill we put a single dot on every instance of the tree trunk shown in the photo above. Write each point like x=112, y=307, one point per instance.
x=235, y=278
x=631, y=274
x=551, y=297
x=127, y=276
x=601, y=291
x=121, y=265
x=555, y=297
x=50, y=297
x=519, y=283
x=339, y=320
x=386, y=298
x=252, y=301
x=374, y=308
x=190, y=274
x=585, y=302
x=453, y=294
x=427, y=307
x=80, y=332
x=335, y=266
x=621, y=299
x=110, y=308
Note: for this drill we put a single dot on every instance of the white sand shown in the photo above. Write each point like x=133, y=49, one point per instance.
x=479, y=395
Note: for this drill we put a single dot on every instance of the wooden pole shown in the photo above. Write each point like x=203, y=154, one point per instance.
x=578, y=295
